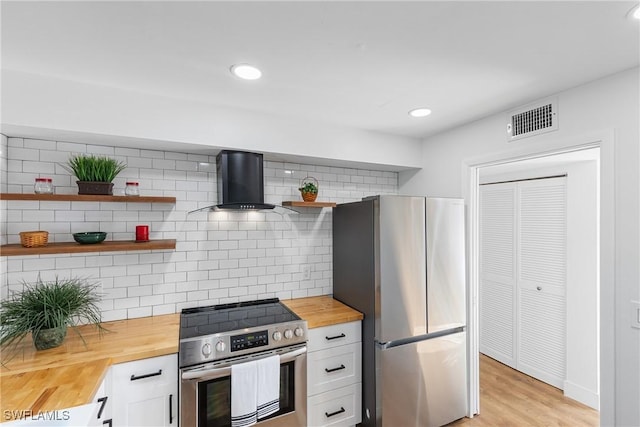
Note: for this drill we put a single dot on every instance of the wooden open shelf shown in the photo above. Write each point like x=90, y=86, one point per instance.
x=302, y=204
x=73, y=247
x=86, y=198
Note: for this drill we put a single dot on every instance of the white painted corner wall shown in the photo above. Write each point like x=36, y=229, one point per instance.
x=609, y=106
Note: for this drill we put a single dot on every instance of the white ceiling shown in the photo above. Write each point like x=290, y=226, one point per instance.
x=360, y=64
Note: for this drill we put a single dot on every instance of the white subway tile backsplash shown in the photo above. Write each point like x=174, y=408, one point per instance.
x=72, y=147
x=133, y=313
x=220, y=256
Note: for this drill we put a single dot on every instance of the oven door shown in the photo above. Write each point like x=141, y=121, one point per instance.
x=205, y=391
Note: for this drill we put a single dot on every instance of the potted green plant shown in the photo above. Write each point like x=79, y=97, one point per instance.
x=46, y=309
x=95, y=173
x=309, y=189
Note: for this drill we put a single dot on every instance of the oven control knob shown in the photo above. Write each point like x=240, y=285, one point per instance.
x=288, y=334
x=206, y=350
x=220, y=346
x=299, y=332
x=277, y=336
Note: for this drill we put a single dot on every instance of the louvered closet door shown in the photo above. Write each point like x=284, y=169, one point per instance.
x=542, y=254
x=497, y=272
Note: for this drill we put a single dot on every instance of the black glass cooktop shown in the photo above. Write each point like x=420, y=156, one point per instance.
x=213, y=319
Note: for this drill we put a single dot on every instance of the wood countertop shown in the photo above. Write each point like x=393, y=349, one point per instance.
x=322, y=311
x=70, y=375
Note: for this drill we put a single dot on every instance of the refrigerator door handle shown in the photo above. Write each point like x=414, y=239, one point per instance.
x=409, y=340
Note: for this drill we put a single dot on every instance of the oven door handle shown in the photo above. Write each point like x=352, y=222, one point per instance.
x=226, y=370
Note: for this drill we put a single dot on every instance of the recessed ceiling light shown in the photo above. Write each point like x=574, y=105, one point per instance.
x=634, y=13
x=246, y=71
x=419, y=112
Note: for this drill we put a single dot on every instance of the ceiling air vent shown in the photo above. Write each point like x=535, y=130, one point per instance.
x=533, y=119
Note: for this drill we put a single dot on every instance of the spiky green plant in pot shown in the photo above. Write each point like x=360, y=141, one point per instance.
x=46, y=309
x=95, y=173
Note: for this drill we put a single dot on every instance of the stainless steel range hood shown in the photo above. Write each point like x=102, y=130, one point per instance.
x=240, y=182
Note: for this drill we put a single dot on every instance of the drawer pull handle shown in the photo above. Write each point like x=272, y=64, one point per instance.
x=171, y=408
x=339, y=368
x=108, y=422
x=154, y=374
x=329, y=415
x=336, y=337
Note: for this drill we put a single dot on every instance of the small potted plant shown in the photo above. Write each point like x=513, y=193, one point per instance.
x=46, y=309
x=95, y=173
x=309, y=189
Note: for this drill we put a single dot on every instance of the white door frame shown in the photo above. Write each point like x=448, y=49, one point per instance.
x=525, y=150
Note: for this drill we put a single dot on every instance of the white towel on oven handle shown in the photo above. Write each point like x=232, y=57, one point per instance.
x=268, y=386
x=244, y=383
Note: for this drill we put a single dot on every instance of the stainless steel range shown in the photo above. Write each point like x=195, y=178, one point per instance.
x=214, y=338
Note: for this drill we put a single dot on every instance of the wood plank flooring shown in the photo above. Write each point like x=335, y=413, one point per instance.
x=511, y=398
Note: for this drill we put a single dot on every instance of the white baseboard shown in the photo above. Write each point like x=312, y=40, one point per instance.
x=582, y=395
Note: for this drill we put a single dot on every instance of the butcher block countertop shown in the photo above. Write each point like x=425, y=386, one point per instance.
x=71, y=374
x=322, y=311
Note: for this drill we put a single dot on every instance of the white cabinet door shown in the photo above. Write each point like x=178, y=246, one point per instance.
x=523, y=255
x=498, y=272
x=145, y=392
x=542, y=257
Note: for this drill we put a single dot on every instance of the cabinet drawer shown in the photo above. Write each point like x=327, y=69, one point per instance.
x=334, y=335
x=333, y=368
x=146, y=372
x=341, y=407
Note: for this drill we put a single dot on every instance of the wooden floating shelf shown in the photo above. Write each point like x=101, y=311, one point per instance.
x=301, y=204
x=86, y=198
x=74, y=248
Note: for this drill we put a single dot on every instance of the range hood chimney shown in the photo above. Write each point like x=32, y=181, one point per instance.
x=240, y=182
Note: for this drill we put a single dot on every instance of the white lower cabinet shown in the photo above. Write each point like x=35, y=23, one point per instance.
x=103, y=403
x=340, y=407
x=334, y=375
x=145, y=392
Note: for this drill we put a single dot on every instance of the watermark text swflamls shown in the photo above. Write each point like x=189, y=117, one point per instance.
x=28, y=414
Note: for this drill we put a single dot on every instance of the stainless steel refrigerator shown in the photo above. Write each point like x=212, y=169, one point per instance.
x=401, y=261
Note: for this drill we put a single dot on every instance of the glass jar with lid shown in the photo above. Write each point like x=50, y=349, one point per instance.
x=43, y=186
x=132, y=189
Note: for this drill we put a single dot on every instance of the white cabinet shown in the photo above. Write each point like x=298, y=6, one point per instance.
x=145, y=392
x=103, y=402
x=334, y=375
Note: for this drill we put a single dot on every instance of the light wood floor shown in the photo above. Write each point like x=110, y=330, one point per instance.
x=511, y=398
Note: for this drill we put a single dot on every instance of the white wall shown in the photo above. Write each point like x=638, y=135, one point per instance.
x=611, y=104
x=219, y=257
x=31, y=103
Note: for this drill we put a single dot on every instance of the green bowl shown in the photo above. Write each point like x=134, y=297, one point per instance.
x=90, y=237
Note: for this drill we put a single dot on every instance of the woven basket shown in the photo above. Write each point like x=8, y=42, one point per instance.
x=309, y=197
x=34, y=239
